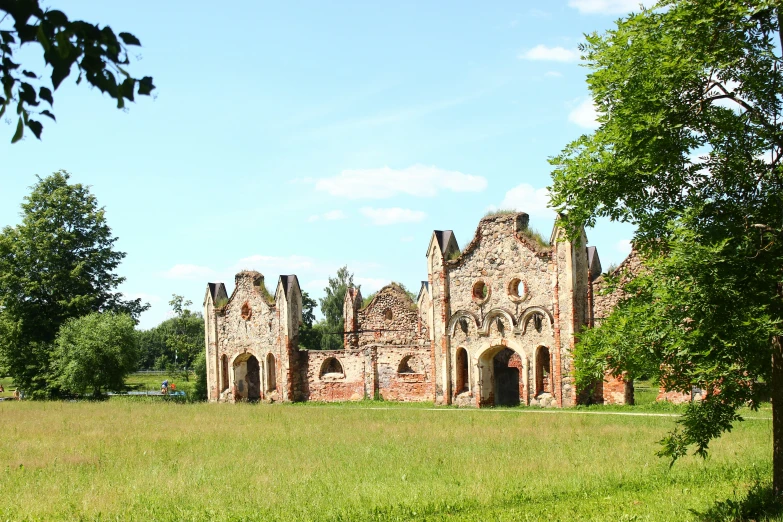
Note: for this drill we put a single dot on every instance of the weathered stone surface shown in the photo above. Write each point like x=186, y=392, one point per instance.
x=494, y=324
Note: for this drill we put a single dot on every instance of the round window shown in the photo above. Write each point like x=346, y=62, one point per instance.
x=480, y=291
x=517, y=289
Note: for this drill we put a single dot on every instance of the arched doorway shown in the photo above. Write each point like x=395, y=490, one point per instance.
x=507, y=378
x=247, y=378
x=501, y=377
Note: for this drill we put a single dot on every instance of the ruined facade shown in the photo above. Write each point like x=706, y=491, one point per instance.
x=493, y=324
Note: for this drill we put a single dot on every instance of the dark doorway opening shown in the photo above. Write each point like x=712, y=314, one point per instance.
x=253, y=379
x=506, y=378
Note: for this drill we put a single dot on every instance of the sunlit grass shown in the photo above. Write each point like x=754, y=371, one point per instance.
x=163, y=461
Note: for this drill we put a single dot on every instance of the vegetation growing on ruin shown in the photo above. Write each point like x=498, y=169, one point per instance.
x=403, y=462
x=536, y=237
x=500, y=212
x=454, y=254
x=221, y=302
x=266, y=294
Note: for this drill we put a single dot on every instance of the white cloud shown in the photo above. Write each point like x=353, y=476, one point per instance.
x=608, y=6
x=417, y=180
x=189, y=272
x=529, y=199
x=370, y=284
x=624, y=246
x=276, y=264
x=392, y=216
x=332, y=215
x=553, y=74
x=550, y=54
x=585, y=115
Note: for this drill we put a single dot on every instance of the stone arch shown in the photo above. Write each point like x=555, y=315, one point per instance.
x=528, y=314
x=246, y=376
x=410, y=364
x=487, y=363
x=493, y=314
x=462, y=382
x=543, y=370
x=332, y=367
x=271, y=373
x=455, y=318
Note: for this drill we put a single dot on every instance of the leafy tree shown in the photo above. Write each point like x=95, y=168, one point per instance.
x=100, y=57
x=309, y=332
x=200, y=371
x=332, y=309
x=94, y=353
x=186, y=339
x=688, y=149
x=57, y=264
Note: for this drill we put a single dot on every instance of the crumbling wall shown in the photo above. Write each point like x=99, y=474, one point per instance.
x=391, y=318
x=404, y=373
x=327, y=385
x=248, y=323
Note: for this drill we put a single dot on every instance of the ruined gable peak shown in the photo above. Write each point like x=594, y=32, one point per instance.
x=514, y=222
x=251, y=277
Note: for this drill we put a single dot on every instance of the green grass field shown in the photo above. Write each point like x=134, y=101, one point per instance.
x=151, y=460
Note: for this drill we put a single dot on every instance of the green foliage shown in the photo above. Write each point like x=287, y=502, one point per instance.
x=367, y=300
x=94, y=353
x=688, y=150
x=185, y=339
x=267, y=295
x=453, y=254
x=536, y=237
x=100, y=57
x=332, y=309
x=310, y=333
x=57, y=264
x=200, y=370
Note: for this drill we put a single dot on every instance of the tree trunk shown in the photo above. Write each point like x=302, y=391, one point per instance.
x=776, y=394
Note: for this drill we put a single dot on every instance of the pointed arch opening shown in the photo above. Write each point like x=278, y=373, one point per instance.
x=224, y=373
x=543, y=371
x=462, y=384
x=271, y=374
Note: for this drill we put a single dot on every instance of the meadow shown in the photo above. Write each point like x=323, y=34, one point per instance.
x=145, y=459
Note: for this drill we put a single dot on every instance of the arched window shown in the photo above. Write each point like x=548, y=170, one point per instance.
x=409, y=364
x=332, y=368
x=224, y=373
x=543, y=368
x=462, y=371
x=271, y=379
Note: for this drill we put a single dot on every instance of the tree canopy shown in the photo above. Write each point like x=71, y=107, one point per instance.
x=58, y=263
x=95, y=353
x=99, y=55
x=332, y=309
x=688, y=149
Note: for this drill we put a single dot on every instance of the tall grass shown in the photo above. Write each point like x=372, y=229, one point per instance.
x=162, y=461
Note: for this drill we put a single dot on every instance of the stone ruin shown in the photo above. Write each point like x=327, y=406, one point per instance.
x=493, y=324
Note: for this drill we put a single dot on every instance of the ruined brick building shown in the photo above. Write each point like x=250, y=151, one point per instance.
x=493, y=324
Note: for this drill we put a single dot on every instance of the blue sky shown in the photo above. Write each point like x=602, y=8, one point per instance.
x=296, y=137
